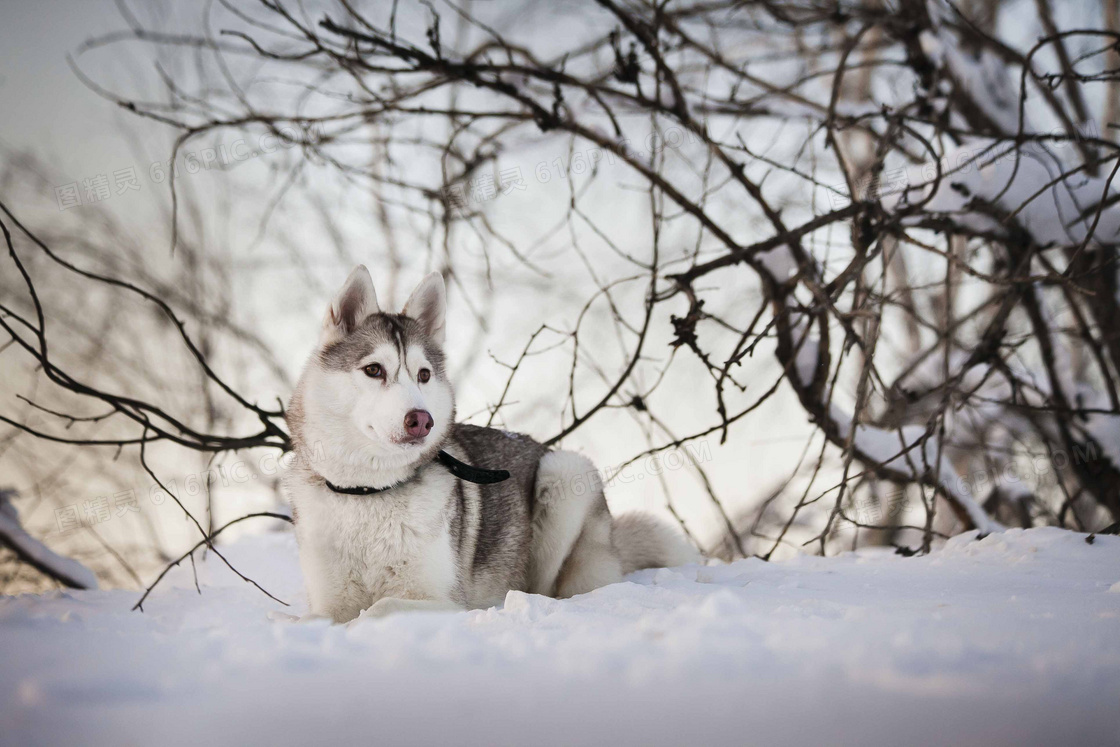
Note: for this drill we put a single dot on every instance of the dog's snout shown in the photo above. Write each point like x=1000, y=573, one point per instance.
x=418, y=423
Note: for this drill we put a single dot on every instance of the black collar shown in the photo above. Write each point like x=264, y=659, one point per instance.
x=462, y=470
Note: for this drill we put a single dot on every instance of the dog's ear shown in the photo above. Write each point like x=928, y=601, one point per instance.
x=356, y=301
x=428, y=305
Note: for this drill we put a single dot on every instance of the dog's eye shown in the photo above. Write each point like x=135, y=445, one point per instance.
x=374, y=371
x=424, y=375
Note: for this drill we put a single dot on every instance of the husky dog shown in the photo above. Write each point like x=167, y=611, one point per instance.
x=397, y=507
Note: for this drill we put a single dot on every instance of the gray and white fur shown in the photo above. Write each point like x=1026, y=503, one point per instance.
x=372, y=408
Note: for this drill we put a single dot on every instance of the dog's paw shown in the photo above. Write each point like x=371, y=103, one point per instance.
x=388, y=606
x=381, y=608
x=392, y=605
x=278, y=616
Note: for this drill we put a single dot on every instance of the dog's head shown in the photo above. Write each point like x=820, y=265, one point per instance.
x=377, y=386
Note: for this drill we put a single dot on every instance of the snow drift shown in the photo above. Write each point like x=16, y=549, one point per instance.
x=1012, y=639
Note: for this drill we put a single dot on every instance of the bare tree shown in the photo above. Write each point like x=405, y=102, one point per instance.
x=908, y=205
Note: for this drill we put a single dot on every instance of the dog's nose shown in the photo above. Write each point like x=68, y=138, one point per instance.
x=418, y=423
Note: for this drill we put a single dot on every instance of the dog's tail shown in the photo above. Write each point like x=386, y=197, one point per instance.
x=644, y=541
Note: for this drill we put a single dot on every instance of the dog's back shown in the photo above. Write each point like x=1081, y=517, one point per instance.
x=491, y=524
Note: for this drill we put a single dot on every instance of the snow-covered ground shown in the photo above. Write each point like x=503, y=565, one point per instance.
x=1012, y=639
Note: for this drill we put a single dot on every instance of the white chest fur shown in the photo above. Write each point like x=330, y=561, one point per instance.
x=355, y=550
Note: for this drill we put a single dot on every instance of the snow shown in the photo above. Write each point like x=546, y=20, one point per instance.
x=1011, y=639
x=1061, y=215
x=807, y=359
x=779, y=262
x=984, y=79
x=13, y=536
x=908, y=450
x=905, y=450
x=1105, y=430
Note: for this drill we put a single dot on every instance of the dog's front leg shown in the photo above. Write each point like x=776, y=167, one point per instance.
x=390, y=605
